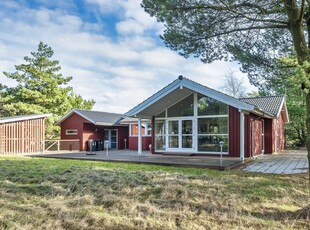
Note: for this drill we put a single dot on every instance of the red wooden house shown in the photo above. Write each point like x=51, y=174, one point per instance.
x=86, y=125
x=189, y=118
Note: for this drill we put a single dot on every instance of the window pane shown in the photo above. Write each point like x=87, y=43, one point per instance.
x=187, y=142
x=210, y=106
x=187, y=127
x=173, y=127
x=211, y=143
x=148, y=127
x=173, y=141
x=134, y=130
x=160, y=127
x=162, y=114
x=160, y=142
x=182, y=108
x=213, y=125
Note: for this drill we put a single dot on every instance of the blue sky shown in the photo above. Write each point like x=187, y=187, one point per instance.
x=110, y=48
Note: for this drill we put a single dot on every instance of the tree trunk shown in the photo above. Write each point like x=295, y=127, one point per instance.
x=308, y=132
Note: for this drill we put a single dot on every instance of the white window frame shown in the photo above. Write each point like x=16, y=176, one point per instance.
x=146, y=126
x=195, y=127
x=71, y=132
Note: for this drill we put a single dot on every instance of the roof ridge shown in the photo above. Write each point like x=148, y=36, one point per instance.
x=209, y=87
x=280, y=95
x=75, y=109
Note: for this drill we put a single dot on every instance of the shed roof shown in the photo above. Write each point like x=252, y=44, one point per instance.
x=22, y=118
x=95, y=117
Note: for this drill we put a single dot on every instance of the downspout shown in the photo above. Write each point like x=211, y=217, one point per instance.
x=241, y=136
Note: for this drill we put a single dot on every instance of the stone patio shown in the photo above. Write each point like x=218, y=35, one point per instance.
x=286, y=162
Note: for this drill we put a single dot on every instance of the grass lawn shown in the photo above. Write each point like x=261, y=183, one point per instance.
x=69, y=194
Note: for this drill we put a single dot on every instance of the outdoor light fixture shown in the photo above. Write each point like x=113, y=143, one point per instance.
x=221, y=145
x=107, y=148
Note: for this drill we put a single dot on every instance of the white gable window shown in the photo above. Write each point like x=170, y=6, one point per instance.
x=146, y=129
x=71, y=132
x=196, y=123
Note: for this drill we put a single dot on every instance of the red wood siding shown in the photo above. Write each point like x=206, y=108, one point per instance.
x=247, y=136
x=153, y=135
x=250, y=121
x=88, y=131
x=234, y=132
x=133, y=143
x=73, y=122
x=274, y=135
x=279, y=137
x=258, y=131
x=123, y=133
x=95, y=132
x=268, y=136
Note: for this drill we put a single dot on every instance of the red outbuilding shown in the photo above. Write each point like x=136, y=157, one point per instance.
x=86, y=125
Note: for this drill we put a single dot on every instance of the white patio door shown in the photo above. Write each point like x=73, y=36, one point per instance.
x=180, y=134
x=111, y=136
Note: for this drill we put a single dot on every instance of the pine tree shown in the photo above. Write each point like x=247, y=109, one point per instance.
x=40, y=89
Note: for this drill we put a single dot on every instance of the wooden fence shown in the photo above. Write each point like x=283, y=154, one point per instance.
x=25, y=136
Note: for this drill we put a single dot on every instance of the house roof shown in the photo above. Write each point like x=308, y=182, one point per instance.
x=183, y=87
x=95, y=117
x=178, y=90
x=274, y=105
x=22, y=118
x=270, y=104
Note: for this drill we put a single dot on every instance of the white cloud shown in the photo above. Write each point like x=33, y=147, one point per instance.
x=118, y=72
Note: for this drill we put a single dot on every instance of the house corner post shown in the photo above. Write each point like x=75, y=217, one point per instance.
x=241, y=136
x=139, y=137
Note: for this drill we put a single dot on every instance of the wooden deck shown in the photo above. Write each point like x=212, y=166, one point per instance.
x=148, y=158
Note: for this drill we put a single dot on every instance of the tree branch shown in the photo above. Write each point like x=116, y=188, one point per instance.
x=249, y=28
x=302, y=8
x=230, y=8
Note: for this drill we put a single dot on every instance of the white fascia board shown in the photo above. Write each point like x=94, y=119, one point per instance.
x=82, y=115
x=65, y=117
x=155, y=97
x=195, y=87
x=104, y=123
x=24, y=118
x=70, y=113
x=283, y=104
x=228, y=100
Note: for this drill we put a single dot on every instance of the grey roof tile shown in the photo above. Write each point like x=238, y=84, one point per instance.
x=98, y=117
x=269, y=104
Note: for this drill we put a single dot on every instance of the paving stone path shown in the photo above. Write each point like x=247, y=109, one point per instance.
x=286, y=162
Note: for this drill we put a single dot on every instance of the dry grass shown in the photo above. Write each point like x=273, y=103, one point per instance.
x=66, y=194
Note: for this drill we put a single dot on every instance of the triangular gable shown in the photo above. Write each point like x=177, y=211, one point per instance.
x=72, y=112
x=95, y=117
x=179, y=89
x=274, y=105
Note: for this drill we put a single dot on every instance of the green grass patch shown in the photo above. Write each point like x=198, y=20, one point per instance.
x=70, y=194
